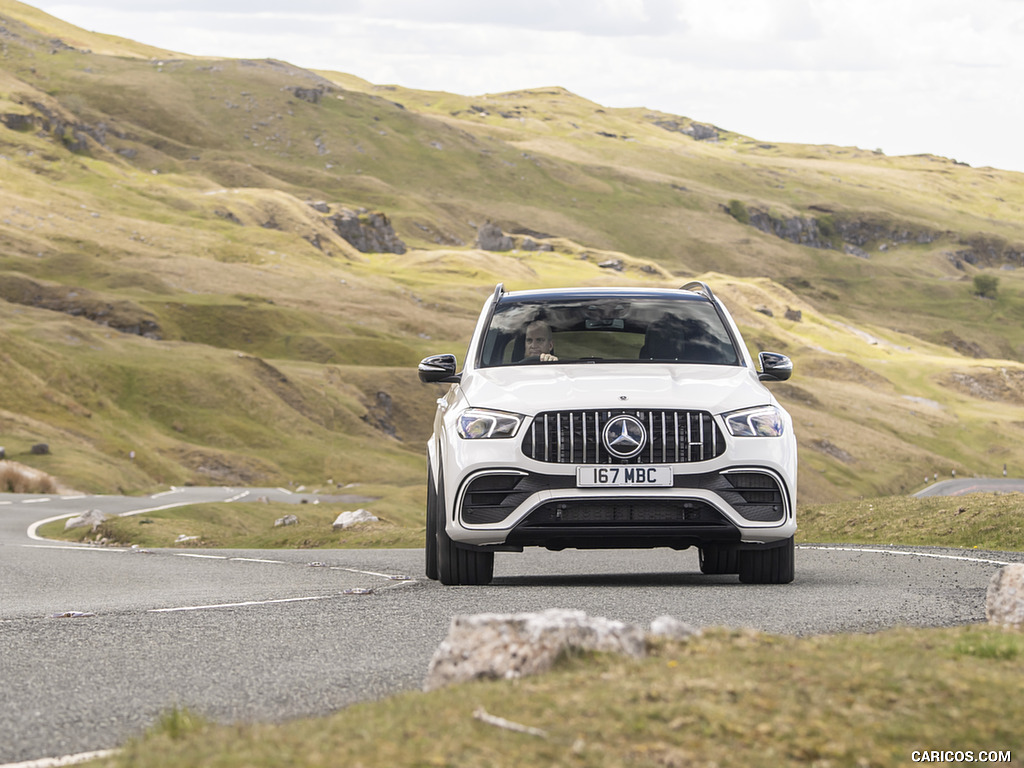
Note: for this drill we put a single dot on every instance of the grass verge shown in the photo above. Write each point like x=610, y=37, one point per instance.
x=726, y=698
x=250, y=525
x=978, y=521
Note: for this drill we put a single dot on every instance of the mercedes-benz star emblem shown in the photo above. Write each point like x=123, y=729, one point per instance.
x=624, y=436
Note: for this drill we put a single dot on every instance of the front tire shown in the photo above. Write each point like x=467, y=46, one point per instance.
x=768, y=566
x=717, y=560
x=454, y=564
x=430, y=545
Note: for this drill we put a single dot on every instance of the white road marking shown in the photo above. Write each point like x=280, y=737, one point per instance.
x=364, y=573
x=909, y=553
x=166, y=493
x=284, y=490
x=32, y=529
x=205, y=557
x=256, y=560
x=58, y=762
x=239, y=605
x=134, y=512
x=236, y=497
x=72, y=546
x=36, y=525
x=35, y=501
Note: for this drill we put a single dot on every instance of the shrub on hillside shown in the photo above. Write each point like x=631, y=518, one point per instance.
x=739, y=211
x=17, y=478
x=986, y=285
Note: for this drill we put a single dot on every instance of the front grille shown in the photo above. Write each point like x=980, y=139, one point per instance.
x=672, y=436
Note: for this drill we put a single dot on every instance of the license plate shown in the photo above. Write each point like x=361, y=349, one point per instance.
x=623, y=477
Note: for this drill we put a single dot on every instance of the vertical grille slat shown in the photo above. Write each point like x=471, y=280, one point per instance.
x=575, y=437
x=650, y=433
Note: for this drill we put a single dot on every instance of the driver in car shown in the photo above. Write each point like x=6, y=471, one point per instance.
x=539, y=343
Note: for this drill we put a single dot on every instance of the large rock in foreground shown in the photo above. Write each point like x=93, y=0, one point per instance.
x=1004, y=601
x=508, y=646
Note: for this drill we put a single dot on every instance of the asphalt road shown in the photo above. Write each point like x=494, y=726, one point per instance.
x=962, y=486
x=95, y=643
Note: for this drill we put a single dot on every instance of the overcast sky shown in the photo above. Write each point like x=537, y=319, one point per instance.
x=904, y=76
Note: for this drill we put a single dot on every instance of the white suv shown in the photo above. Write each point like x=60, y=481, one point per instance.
x=610, y=418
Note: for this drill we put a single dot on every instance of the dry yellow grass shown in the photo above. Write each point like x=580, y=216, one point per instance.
x=19, y=478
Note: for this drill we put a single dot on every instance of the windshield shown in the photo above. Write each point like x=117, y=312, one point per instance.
x=607, y=329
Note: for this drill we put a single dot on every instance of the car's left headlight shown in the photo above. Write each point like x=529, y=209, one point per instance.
x=477, y=423
x=764, y=421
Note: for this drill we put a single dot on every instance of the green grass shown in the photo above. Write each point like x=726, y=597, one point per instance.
x=975, y=521
x=726, y=698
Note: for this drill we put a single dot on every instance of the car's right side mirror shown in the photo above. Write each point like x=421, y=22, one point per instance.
x=438, y=369
x=774, y=367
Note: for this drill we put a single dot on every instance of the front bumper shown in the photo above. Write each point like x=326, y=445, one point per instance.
x=511, y=508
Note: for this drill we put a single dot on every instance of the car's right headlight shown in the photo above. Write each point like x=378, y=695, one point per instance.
x=480, y=423
x=763, y=421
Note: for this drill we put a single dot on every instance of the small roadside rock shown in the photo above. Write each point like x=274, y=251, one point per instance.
x=350, y=518
x=286, y=520
x=91, y=518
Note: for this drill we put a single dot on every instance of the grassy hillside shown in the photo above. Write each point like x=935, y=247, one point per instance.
x=176, y=278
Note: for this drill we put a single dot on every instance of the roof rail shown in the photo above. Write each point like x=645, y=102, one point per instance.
x=499, y=289
x=698, y=287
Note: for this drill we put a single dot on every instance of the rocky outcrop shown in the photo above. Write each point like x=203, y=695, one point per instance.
x=697, y=131
x=529, y=244
x=1000, y=385
x=871, y=231
x=311, y=95
x=367, y=232
x=853, y=234
x=52, y=120
x=489, y=237
x=803, y=230
x=986, y=251
x=123, y=316
x=380, y=415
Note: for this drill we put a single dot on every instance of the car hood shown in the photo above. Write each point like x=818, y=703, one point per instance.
x=530, y=389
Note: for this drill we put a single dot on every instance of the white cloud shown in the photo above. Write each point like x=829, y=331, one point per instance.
x=914, y=76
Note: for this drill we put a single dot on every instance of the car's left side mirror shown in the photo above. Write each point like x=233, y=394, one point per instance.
x=438, y=369
x=774, y=367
